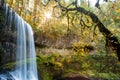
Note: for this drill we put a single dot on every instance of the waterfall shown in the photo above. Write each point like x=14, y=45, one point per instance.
x=25, y=68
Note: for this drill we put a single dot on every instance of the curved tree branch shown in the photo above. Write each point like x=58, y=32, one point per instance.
x=110, y=38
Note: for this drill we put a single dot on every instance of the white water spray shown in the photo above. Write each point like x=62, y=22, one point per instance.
x=26, y=68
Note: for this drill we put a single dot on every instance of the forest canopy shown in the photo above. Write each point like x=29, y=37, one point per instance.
x=86, y=14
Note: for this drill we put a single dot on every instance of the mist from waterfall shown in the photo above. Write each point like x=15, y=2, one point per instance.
x=25, y=68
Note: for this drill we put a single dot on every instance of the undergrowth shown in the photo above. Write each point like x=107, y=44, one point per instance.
x=99, y=65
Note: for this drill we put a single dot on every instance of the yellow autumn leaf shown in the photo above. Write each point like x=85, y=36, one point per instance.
x=105, y=17
x=59, y=64
x=118, y=10
x=118, y=17
x=89, y=23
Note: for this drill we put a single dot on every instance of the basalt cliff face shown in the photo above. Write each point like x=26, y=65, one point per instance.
x=64, y=41
x=7, y=37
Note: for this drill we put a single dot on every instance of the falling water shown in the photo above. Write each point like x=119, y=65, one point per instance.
x=26, y=68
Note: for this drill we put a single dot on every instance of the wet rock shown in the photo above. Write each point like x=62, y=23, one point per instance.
x=5, y=75
x=7, y=39
x=75, y=78
x=81, y=78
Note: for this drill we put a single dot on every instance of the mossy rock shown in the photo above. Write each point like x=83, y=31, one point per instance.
x=8, y=66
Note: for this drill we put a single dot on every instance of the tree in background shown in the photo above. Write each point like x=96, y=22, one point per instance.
x=79, y=12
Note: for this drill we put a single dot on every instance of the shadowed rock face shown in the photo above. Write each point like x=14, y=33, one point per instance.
x=43, y=40
x=7, y=37
x=75, y=78
x=7, y=76
x=80, y=78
